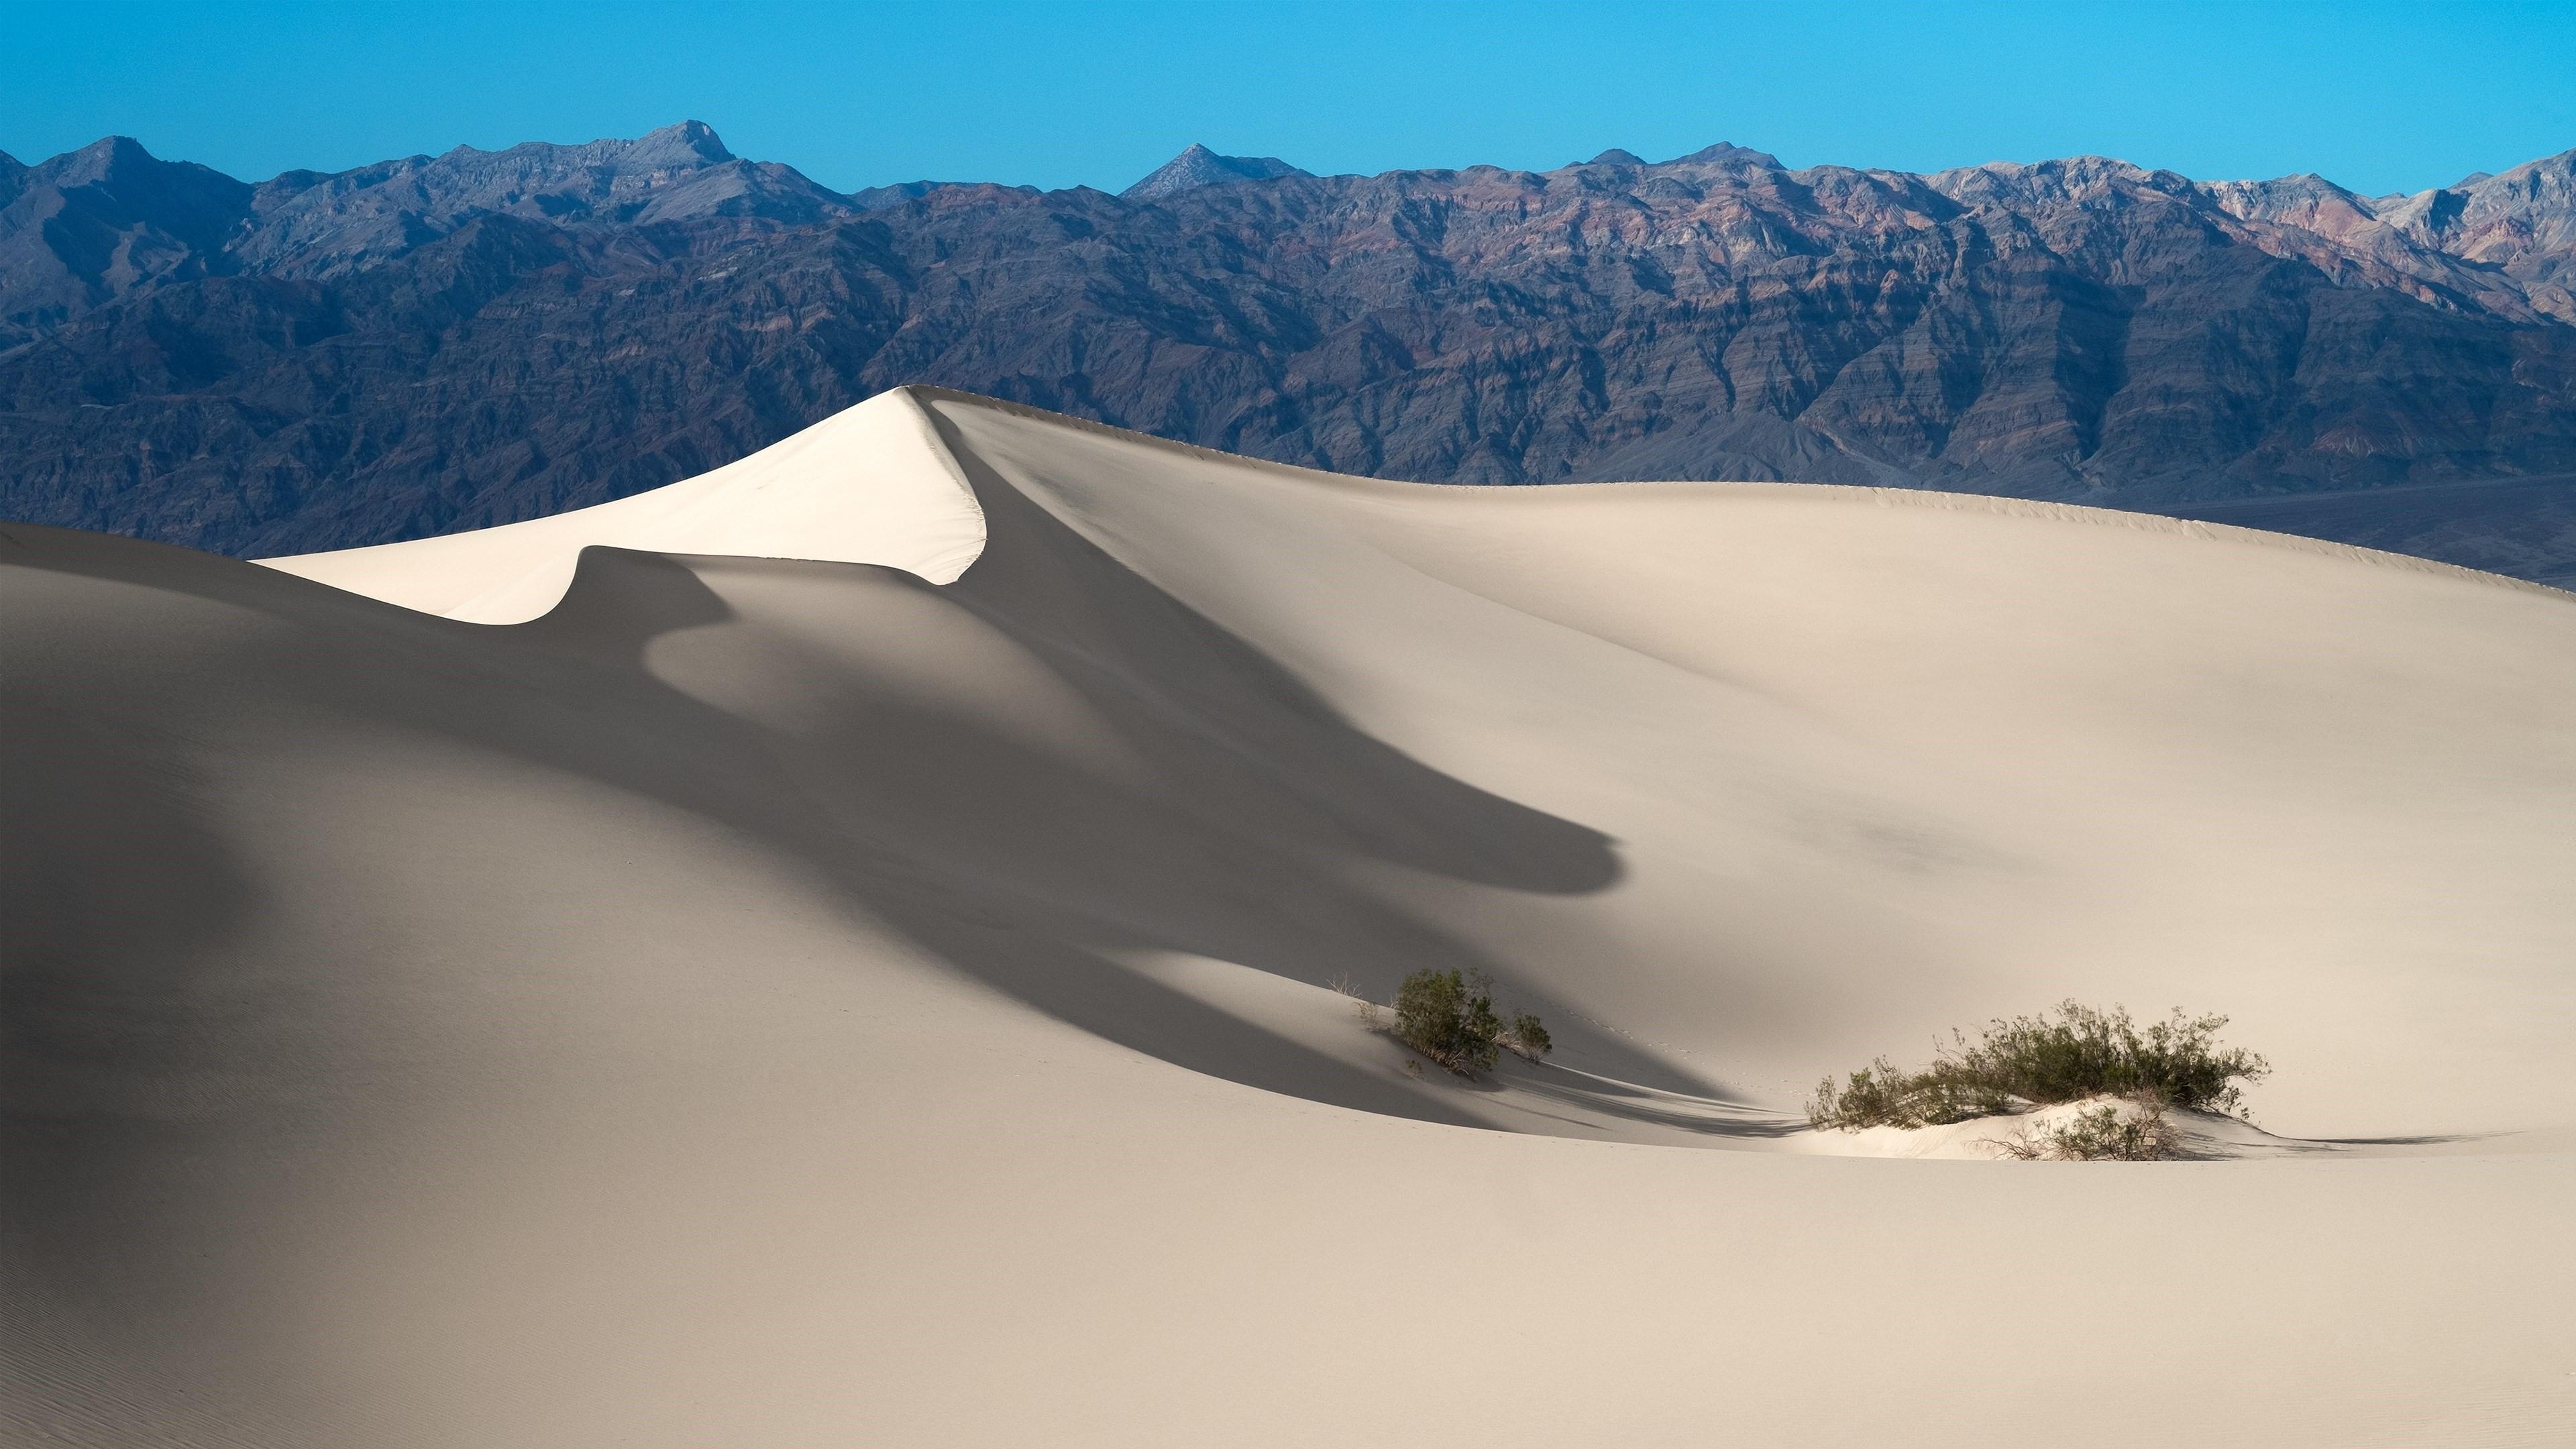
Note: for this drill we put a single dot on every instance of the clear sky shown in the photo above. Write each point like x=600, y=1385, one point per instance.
x=2380, y=97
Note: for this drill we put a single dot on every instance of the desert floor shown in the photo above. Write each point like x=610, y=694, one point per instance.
x=841, y=952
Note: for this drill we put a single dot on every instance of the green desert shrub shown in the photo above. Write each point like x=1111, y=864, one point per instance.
x=1450, y=1017
x=1875, y=1094
x=2102, y=1133
x=2066, y=1056
x=1527, y=1036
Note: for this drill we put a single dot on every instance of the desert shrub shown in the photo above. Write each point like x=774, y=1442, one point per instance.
x=2077, y=1052
x=1527, y=1036
x=1876, y=1094
x=1449, y=1017
x=2084, y=1053
x=2101, y=1134
x=1361, y=1006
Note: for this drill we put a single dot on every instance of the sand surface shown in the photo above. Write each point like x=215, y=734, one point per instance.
x=839, y=952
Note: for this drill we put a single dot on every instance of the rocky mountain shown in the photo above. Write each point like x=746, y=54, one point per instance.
x=110, y=219
x=85, y=228
x=1198, y=166
x=307, y=224
x=2499, y=241
x=482, y=336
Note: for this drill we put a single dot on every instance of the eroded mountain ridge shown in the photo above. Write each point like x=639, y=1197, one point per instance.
x=438, y=342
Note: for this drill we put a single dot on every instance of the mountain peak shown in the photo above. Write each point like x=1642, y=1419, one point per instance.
x=109, y=218
x=1617, y=156
x=1727, y=153
x=690, y=143
x=1198, y=166
x=687, y=146
x=101, y=158
x=146, y=181
x=320, y=226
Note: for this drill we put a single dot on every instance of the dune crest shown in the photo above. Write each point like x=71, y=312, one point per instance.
x=867, y=485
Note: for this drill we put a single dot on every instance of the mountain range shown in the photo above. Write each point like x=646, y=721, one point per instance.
x=324, y=360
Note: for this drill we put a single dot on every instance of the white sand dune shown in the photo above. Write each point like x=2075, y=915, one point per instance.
x=871, y=485
x=851, y=967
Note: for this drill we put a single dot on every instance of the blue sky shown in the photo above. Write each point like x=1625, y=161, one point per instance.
x=2378, y=97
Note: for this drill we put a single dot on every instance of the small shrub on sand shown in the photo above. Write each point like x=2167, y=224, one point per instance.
x=1448, y=1017
x=2075, y=1053
x=1527, y=1036
x=1368, y=1011
x=2103, y=1133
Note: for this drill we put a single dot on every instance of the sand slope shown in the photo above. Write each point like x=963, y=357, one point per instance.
x=871, y=485
x=853, y=971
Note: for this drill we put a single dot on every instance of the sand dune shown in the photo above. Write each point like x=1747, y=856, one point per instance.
x=871, y=485
x=849, y=964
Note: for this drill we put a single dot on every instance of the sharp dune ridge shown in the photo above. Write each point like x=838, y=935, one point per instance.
x=840, y=950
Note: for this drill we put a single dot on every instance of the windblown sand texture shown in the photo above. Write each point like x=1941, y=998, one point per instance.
x=836, y=952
